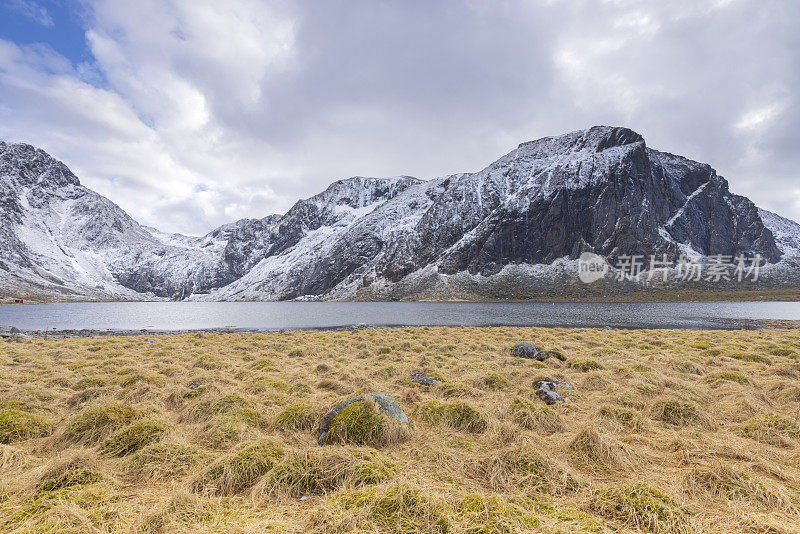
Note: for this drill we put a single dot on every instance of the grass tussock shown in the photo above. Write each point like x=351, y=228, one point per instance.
x=97, y=423
x=239, y=470
x=135, y=437
x=523, y=468
x=735, y=483
x=680, y=413
x=584, y=365
x=458, y=415
x=641, y=507
x=17, y=425
x=536, y=417
x=163, y=461
x=396, y=508
x=362, y=423
x=592, y=450
x=120, y=442
x=326, y=469
x=297, y=417
x=772, y=429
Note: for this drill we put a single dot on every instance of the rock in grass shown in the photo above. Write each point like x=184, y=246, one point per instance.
x=525, y=349
x=425, y=380
x=384, y=403
x=543, y=355
x=545, y=390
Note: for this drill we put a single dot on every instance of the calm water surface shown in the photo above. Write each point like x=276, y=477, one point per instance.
x=171, y=316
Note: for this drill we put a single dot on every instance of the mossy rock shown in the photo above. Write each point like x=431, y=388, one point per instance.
x=457, y=414
x=642, y=508
x=240, y=470
x=135, y=437
x=17, y=425
x=296, y=416
x=97, y=423
x=524, y=349
x=369, y=419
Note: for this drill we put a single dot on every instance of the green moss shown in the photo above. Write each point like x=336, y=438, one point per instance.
x=73, y=476
x=97, y=423
x=679, y=413
x=135, y=437
x=233, y=406
x=208, y=361
x=751, y=357
x=89, y=382
x=493, y=514
x=584, y=364
x=361, y=423
x=395, y=509
x=326, y=469
x=731, y=376
x=17, y=425
x=771, y=428
x=783, y=352
x=493, y=382
x=195, y=392
x=641, y=507
x=128, y=380
x=162, y=461
x=536, y=416
x=297, y=416
x=241, y=469
x=458, y=415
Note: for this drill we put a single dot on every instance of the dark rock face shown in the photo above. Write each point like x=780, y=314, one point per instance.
x=600, y=190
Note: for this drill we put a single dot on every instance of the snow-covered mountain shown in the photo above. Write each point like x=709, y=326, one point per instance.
x=513, y=229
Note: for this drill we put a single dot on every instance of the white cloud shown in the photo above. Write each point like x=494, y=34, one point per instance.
x=196, y=113
x=31, y=10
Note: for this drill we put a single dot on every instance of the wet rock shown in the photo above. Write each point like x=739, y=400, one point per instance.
x=195, y=386
x=385, y=403
x=425, y=380
x=525, y=349
x=545, y=390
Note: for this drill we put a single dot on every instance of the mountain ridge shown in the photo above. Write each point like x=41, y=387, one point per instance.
x=535, y=209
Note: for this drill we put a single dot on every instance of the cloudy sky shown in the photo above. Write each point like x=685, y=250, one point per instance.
x=193, y=113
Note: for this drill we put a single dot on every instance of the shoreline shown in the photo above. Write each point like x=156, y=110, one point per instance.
x=718, y=324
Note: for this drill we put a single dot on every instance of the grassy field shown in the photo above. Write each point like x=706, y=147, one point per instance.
x=664, y=431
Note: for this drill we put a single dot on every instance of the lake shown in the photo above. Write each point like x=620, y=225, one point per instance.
x=176, y=316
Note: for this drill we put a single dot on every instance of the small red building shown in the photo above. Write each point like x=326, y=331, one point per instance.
x=19, y=301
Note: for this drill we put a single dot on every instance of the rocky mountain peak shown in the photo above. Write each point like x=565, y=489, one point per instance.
x=30, y=166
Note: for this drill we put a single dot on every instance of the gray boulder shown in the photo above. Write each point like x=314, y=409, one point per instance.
x=425, y=380
x=385, y=403
x=525, y=349
x=545, y=390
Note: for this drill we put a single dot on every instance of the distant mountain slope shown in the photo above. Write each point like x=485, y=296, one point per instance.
x=519, y=222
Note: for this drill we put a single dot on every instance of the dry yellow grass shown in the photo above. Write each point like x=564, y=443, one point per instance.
x=665, y=431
